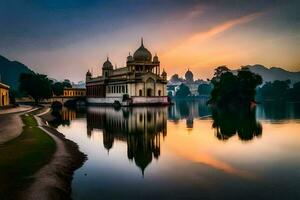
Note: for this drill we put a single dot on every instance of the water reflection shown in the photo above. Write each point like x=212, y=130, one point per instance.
x=188, y=110
x=241, y=121
x=64, y=116
x=191, y=161
x=140, y=128
x=278, y=111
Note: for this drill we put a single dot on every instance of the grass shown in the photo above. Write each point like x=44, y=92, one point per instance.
x=21, y=157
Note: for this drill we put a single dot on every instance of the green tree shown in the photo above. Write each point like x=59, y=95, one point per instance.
x=248, y=82
x=220, y=70
x=67, y=83
x=57, y=88
x=204, y=89
x=38, y=86
x=277, y=90
x=183, y=91
x=294, y=93
x=233, y=89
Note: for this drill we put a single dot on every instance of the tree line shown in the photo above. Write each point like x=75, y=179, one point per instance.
x=245, y=86
x=40, y=87
x=279, y=91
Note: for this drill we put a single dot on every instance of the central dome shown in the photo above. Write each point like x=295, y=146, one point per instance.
x=189, y=76
x=107, y=64
x=142, y=54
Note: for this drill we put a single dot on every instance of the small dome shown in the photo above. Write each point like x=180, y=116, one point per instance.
x=107, y=64
x=142, y=54
x=164, y=73
x=129, y=58
x=155, y=58
x=189, y=76
x=88, y=73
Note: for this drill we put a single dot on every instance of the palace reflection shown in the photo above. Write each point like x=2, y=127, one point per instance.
x=188, y=110
x=63, y=116
x=141, y=128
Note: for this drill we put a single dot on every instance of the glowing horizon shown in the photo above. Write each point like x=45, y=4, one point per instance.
x=63, y=37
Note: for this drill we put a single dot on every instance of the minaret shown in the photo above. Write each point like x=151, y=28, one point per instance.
x=88, y=75
x=164, y=74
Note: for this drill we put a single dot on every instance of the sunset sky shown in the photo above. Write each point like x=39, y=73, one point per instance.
x=66, y=38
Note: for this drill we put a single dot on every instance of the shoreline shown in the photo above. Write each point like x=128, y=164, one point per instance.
x=53, y=181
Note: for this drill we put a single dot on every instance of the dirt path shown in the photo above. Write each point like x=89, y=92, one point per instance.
x=15, y=110
x=11, y=123
x=53, y=181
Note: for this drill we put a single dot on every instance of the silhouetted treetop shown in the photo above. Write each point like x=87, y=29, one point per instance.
x=229, y=88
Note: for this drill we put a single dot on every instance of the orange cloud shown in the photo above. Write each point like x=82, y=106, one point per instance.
x=199, y=37
x=199, y=48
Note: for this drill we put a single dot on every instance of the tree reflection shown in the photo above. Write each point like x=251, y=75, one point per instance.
x=63, y=116
x=188, y=110
x=140, y=128
x=240, y=120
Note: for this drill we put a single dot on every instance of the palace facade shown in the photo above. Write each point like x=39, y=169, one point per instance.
x=4, y=95
x=74, y=92
x=139, y=82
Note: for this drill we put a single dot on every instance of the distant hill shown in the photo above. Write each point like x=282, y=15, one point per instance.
x=11, y=70
x=274, y=73
x=80, y=84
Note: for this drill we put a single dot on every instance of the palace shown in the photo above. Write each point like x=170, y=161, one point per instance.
x=4, y=95
x=139, y=83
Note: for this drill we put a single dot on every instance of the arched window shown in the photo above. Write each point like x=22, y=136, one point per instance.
x=159, y=93
x=140, y=93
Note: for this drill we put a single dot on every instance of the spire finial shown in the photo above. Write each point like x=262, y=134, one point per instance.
x=142, y=41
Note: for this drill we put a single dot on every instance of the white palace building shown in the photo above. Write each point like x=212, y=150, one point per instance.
x=139, y=83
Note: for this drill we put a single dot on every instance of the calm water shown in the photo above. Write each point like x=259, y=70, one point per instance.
x=185, y=152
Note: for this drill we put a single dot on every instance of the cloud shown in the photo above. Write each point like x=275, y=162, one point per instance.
x=199, y=37
x=202, y=36
x=203, y=49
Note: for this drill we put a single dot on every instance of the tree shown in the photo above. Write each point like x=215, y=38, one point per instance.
x=233, y=89
x=175, y=78
x=67, y=83
x=57, y=88
x=294, y=93
x=183, y=91
x=277, y=90
x=38, y=86
x=248, y=82
x=220, y=70
x=204, y=89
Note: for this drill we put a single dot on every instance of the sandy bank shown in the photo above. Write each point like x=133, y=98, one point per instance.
x=53, y=181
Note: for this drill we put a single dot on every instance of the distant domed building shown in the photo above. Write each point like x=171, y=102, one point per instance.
x=176, y=81
x=189, y=76
x=140, y=82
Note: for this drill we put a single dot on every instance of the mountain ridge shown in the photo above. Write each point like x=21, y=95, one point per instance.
x=273, y=73
x=11, y=70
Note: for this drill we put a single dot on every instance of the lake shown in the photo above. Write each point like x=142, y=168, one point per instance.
x=186, y=151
